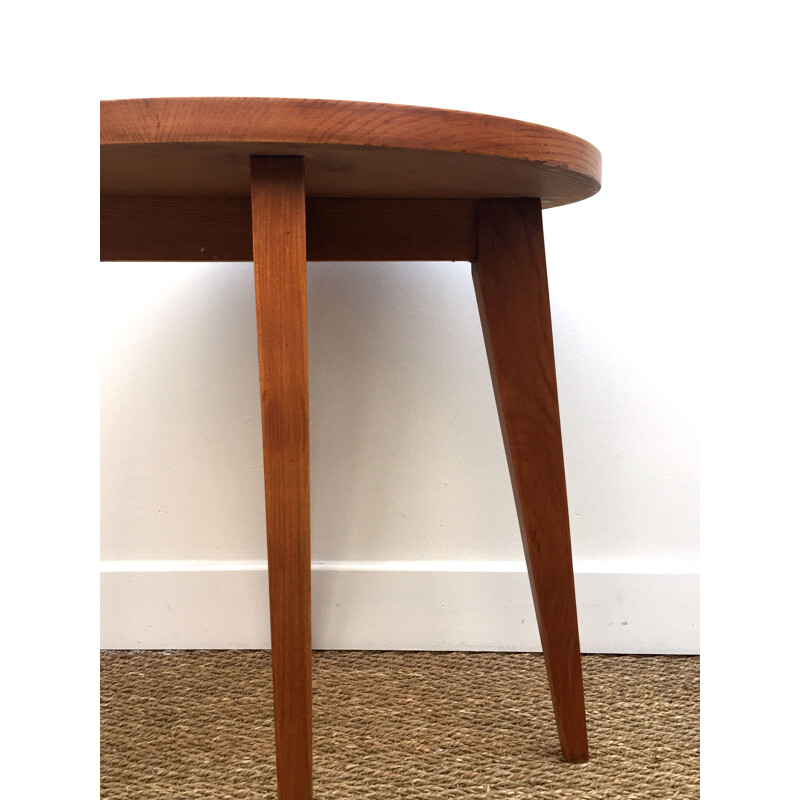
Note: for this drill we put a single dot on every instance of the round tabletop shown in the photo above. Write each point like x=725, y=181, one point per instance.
x=201, y=147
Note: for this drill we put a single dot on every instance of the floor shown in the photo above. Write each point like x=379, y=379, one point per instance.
x=198, y=724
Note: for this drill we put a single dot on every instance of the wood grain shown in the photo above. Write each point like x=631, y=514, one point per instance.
x=278, y=203
x=219, y=229
x=511, y=285
x=200, y=147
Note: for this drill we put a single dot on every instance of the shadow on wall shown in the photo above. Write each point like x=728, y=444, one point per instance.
x=400, y=394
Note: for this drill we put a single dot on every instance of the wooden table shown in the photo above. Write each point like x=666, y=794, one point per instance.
x=280, y=181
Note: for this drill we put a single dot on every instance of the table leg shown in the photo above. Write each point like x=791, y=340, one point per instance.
x=511, y=285
x=279, y=255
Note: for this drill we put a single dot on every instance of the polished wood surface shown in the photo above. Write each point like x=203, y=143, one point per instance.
x=279, y=251
x=511, y=285
x=282, y=181
x=351, y=229
x=200, y=147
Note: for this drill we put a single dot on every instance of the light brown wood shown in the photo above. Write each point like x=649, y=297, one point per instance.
x=200, y=147
x=278, y=201
x=511, y=285
x=219, y=229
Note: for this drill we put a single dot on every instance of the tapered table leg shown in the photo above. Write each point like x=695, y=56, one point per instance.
x=511, y=285
x=279, y=255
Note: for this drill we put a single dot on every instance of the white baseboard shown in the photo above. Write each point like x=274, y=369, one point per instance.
x=623, y=606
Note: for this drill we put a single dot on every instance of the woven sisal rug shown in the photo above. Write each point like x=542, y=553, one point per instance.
x=198, y=724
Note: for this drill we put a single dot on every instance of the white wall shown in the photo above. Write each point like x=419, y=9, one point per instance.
x=407, y=460
x=408, y=471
